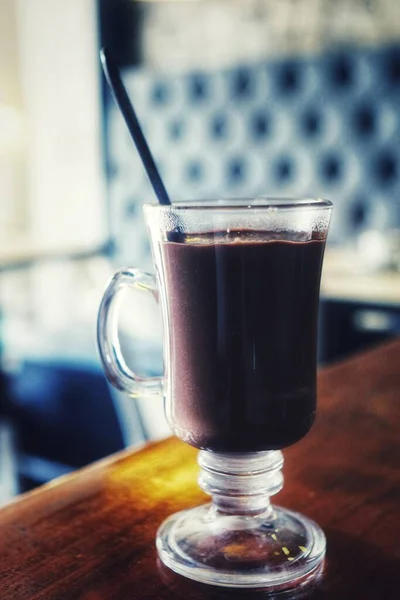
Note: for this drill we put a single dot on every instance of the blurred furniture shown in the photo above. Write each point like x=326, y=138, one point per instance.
x=343, y=281
x=53, y=393
x=358, y=308
x=63, y=417
x=92, y=535
x=325, y=125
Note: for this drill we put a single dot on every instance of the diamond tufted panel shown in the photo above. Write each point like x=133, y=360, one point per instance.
x=324, y=126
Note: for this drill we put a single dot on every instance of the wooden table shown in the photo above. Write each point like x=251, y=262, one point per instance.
x=90, y=536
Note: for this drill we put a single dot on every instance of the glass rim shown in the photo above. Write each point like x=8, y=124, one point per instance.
x=256, y=203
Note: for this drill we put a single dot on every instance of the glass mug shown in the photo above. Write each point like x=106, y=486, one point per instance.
x=238, y=283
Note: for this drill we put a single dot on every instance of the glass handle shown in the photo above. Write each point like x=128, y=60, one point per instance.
x=115, y=367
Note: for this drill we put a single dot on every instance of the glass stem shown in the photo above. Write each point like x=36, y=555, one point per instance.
x=241, y=484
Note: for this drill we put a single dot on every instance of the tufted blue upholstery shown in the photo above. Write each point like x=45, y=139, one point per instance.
x=324, y=126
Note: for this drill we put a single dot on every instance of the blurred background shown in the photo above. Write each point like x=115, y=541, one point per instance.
x=237, y=98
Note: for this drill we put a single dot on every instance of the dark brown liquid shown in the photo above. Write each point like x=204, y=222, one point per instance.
x=243, y=333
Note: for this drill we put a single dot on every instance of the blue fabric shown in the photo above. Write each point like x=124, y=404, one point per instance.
x=63, y=412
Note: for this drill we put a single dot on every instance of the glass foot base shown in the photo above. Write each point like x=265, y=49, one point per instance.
x=275, y=551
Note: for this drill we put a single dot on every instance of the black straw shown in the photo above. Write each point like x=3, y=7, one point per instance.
x=121, y=97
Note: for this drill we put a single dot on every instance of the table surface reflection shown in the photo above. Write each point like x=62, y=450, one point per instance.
x=90, y=535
